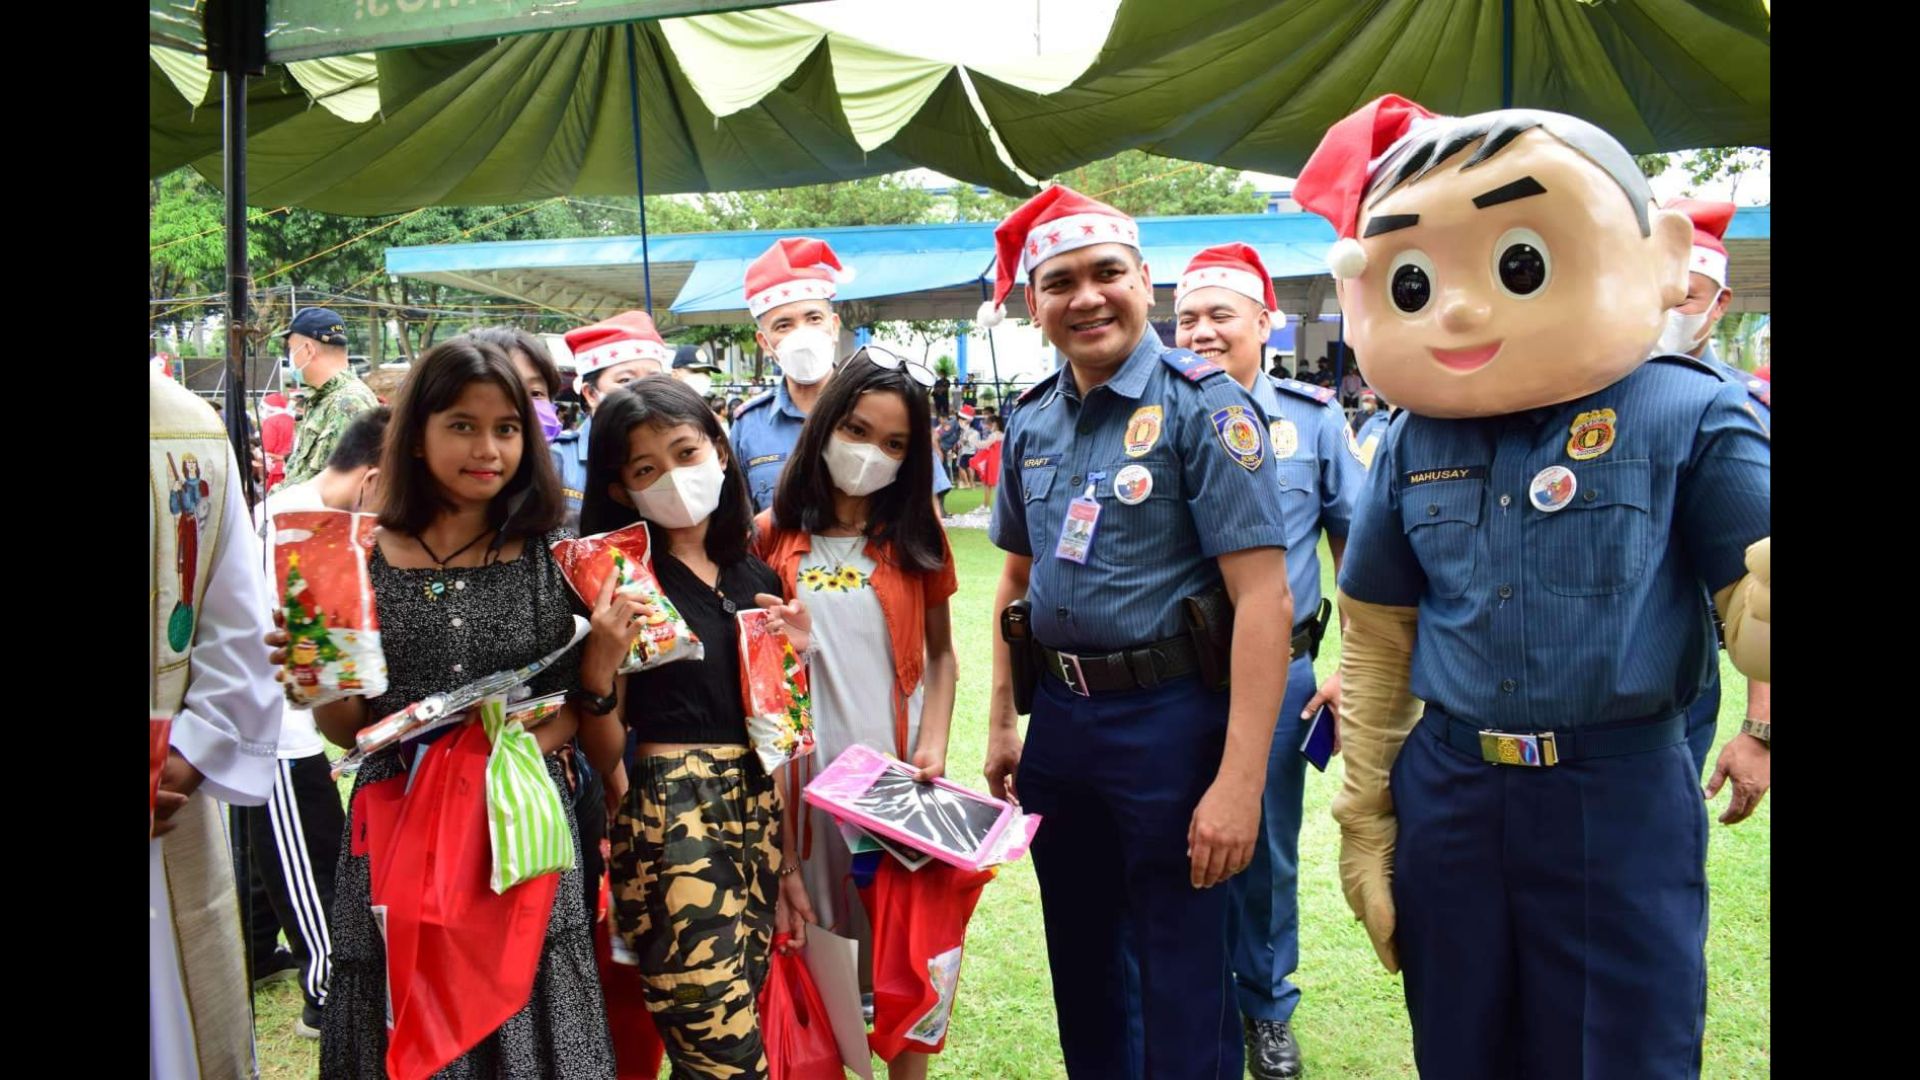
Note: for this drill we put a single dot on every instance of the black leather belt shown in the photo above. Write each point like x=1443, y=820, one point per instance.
x=1129, y=669
x=1542, y=749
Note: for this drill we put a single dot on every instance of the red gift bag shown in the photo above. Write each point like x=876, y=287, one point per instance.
x=919, y=922
x=637, y=1048
x=793, y=1022
x=461, y=959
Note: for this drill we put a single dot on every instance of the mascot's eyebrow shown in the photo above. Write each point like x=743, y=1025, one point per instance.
x=1386, y=223
x=1519, y=189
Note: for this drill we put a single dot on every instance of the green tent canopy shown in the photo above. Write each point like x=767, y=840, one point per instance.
x=735, y=100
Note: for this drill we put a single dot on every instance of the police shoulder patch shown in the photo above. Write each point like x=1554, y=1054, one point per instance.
x=1320, y=394
x=1190, y=367
x=751, y=404
x=1239, y=430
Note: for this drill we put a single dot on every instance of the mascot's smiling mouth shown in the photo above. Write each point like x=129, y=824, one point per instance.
x=1466, y=359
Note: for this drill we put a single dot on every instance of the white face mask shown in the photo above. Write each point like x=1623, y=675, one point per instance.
x=859, y=468
x=806, y=355
x=1684, y=333
x=699, y=382
x=684, y=497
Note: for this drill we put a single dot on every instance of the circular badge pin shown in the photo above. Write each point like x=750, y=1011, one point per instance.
x=1133, y=484
x=1552, y=488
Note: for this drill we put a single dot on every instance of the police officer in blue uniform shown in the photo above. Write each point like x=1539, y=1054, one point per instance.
x=1372, y=429
x=790, y=289
x=1135, y=478
x=606, y=356
x=1528, y=560
x=1747, y=760
x=1222, y=307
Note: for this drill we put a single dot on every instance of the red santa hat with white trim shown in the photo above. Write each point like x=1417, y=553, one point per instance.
x=1334, y=181
x=1054, y=222
x=1710, y=221
x=795, y=268
x=1236, y=268
x=629, y=335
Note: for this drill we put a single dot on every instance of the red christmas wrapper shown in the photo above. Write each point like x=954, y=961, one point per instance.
x=333, y=631
x=773, y=690
x=624, y=553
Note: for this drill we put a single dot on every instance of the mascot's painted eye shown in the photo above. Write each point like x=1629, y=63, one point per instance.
x=1410, y=280
x=1521, y=263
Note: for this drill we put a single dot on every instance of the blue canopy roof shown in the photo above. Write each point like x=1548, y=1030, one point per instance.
x=907, y=271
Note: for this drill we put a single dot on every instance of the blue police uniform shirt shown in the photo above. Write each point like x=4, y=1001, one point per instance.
x=569, y=450
x=1367, y=440
x=1759, y=390
x=1532, y=620
x=1199, y=500
x=765, y=431
x=1319, y=474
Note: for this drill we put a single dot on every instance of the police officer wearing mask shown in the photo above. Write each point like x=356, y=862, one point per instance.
x=607, y=356
x=790, y=289
x=1225, y=309
x=1135, y=478
x=691, y=366
x=1373, y=428
x=1746, y=759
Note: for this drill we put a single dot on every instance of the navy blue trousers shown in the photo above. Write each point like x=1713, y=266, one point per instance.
x=1117, y=778
x=1264, y=925
x=1703, y=720
x=1551, y=923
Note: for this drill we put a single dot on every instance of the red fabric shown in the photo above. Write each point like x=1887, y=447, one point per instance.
x=1236, y=256
x=986, y=463
x=793, y=1022
x=793, y=258
x=1014, y=235
x=637, y=1048
x=629, y=335
x=276, y=441
x=1764, y=371
x=918, y=917
x=159, y=730
x=1710, y=220
x=460, y=959
x=1335, y=177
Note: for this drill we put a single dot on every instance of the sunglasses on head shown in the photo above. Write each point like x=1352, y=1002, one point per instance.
x=888, y=361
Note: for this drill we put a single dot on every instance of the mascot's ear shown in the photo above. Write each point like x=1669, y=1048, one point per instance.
x=1673, y=244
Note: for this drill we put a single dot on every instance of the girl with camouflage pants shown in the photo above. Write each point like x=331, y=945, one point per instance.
x=696, y=819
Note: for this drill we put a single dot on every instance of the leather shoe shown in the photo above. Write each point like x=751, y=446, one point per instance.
x=1271, y=1052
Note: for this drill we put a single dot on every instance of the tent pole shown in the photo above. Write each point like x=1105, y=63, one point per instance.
x=1506, y=54
x=236, y=48
x=993, y=353
x=639, y=165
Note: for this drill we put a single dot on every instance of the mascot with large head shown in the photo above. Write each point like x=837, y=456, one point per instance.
x=1525, y=589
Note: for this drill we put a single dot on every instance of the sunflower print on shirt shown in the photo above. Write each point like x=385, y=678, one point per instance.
x=826, y=579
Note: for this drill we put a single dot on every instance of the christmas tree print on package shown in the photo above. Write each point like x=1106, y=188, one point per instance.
x=625, y=554
x=333, y=632
x=773, y=689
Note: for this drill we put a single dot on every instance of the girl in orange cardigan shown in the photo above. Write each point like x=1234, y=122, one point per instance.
x=853, y=532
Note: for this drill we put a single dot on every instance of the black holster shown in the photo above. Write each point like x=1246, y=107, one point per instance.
x=1210, y=625
x=1023, y=653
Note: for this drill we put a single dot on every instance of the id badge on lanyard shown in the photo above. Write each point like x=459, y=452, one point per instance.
x=1083, y=517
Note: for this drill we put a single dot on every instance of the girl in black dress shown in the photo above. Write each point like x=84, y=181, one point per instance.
x=465, y=586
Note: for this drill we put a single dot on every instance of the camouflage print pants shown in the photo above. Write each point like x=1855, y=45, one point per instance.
x=696, y=853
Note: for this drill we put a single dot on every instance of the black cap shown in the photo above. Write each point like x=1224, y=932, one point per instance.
x=320, y=324
x=691, y=357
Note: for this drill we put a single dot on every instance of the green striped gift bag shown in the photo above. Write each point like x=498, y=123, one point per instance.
x=525, y=816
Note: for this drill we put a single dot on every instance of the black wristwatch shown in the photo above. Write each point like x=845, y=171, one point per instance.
x=592, y=702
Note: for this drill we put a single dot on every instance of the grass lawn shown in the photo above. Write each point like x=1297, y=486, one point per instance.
x=1352, y=1021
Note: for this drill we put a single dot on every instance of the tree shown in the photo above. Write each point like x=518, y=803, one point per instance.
x=187, y=250
x=929, y=332
x=1709, y=164
x=1137, y=183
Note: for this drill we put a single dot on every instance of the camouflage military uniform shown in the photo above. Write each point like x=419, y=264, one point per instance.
x=329, y=411
x=696, y=859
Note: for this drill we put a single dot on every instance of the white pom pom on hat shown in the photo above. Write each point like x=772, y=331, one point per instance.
x=1346, y=258
x=990, y=314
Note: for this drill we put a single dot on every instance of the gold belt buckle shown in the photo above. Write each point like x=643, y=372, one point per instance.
x=1533, y=751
